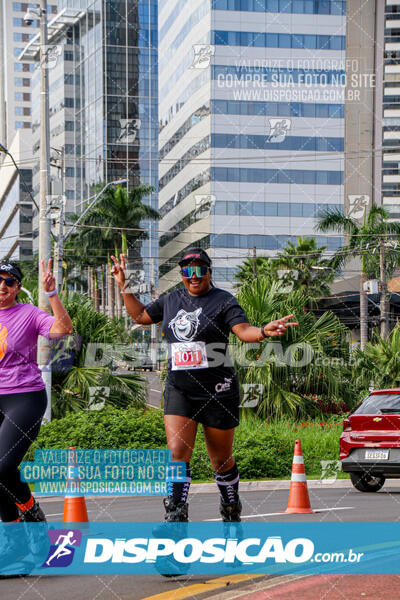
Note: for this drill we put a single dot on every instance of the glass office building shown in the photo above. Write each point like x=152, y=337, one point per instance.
x=391, y=108
x=251, y=126
x=104, y=102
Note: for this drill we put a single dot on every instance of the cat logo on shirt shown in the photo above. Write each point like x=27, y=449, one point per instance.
x=3, y=341
x=185, y=324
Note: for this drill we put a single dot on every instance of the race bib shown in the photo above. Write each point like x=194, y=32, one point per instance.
x=188, y=355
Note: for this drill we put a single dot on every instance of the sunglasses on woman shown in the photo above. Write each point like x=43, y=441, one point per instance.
x=9, y=281
x=199, y=271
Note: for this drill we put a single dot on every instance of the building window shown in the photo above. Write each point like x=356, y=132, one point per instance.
x=22, y=37
x=23, y=6
x=22, y=82
x=301, y=176
x=25, y=67
x=22, y=111
x=278, y=40
x=17, y=51
x=261, y=142
x=322, y=7
x=22, y=125
x=21, y=23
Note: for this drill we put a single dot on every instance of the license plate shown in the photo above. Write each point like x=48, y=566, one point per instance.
x=377, y=454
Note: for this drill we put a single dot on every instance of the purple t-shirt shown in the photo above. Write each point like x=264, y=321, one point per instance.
x=20, y=326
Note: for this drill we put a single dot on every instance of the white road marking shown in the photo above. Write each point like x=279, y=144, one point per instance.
x=283, y=513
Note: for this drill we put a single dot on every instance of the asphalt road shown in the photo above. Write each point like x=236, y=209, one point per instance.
x=337, y=504
x=153, y=388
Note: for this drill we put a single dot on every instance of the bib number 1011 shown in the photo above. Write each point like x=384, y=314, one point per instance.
x=189, y=355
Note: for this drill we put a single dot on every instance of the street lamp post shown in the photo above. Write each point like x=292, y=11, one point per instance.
x=59, y=246
x=44, y=221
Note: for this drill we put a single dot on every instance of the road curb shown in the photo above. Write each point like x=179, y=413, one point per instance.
x=283, y=484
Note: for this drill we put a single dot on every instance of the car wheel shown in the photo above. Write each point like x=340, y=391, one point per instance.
x=363, y=482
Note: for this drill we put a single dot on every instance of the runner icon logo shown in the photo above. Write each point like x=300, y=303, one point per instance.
x=184, y=324
x=62, y=547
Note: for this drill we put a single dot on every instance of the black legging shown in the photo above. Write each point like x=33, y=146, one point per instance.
x=20, y=419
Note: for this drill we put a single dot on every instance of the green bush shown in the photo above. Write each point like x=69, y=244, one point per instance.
x=108, y=428
x=262, y=450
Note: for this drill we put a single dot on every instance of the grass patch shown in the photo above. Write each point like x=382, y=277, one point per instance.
x=263, y=450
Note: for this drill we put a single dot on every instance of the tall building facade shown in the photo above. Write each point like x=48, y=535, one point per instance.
x=15, y=75
x=251, y=129
x=104, y=103
x=390, y=33
x=372, y=137
x=15, y=203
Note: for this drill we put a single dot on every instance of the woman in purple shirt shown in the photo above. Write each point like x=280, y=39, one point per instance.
x=23, y=397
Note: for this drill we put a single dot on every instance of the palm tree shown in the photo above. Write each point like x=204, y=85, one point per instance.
x=117, y=216
x=361, y=240
x=81, y=367
x=307, y=270
x=87, y=250
x=379, y=363
x=311, y=360
x=120, y=214
x=298, y=266
x=245, y=272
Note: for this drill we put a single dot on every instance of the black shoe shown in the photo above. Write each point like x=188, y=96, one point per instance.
x=33, y=515
x=176, y=511
x=13, y=551
x=168, y=566
x=231, y=512
x=38, y=540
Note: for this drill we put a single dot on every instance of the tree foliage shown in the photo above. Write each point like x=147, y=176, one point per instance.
x=306, y=369
x=299, y=267
x=74, y=362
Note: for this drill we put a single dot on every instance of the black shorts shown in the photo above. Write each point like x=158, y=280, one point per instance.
x=219, y=410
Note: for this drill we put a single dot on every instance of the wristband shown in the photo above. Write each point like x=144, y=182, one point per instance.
x=50, y=294
x=263, y=332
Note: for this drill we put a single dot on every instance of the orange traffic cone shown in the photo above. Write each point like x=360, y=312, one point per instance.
x=299, y=502
x=74, y=506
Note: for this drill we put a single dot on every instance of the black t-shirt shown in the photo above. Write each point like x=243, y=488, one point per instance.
x=207, y=319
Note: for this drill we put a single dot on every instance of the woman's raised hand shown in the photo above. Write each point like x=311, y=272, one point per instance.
x=118, y=269
x=48, y=279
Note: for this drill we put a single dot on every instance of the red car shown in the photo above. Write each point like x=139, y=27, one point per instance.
x=370, y=442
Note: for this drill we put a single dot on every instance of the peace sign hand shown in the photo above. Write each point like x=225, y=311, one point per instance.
x=118, y=269
x=48, y=280
x=278, y=327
